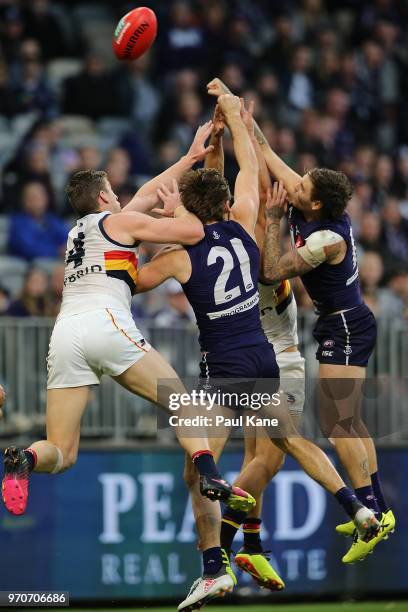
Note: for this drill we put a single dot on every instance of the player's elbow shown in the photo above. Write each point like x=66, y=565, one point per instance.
x=195, y=235
x=268, y=277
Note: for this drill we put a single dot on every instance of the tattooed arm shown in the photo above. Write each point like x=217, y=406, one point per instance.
x=321, y=246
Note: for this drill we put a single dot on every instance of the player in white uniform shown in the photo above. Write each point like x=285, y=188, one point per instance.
x=95, y=334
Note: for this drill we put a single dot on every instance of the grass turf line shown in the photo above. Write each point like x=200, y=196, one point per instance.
x=375, y=606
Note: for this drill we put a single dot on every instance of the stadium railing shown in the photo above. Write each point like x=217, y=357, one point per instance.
x=117, y=417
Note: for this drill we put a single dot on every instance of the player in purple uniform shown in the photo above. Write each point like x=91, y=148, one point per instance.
x=324, y=256
x=220, y=278
x=325, y=259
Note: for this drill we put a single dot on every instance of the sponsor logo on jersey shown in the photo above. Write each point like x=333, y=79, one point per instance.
x=328, y=343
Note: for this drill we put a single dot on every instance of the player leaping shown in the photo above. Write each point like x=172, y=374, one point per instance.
x=95, y=334
x=278, y=311
x=219, y=276
x=325, y=259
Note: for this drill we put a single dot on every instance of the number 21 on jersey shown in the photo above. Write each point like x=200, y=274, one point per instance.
x=221, y=294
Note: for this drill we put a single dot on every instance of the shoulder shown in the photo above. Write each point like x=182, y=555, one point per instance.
x=322, y=238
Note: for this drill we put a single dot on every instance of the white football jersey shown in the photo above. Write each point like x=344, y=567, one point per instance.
x=278, y=310
x=99, y=272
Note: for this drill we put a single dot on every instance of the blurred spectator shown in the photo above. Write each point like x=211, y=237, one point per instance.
x=91, y=93
x=381, y=300
x=279, y=53
x=7, y=106
x=177, y=310
x=370, y=238
x=33, y=301
x=181, y=43
x=395, y=229
x=11, y=30
x=31, y=89
x=398, y=283
x=328, y=79
x=214, y=14
x=117, y=168
x=89, y=159
x=45, y=28
x=4, y=299
x=141, y=99
x=35, y=232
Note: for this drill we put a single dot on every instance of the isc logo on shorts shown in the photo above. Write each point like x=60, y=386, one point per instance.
x=327, y=353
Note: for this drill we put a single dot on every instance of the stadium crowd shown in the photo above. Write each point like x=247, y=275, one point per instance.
x=329, y=89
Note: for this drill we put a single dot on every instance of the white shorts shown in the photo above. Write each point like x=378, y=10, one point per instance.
x=85, y=346
x=292, y=379
x=280, y=326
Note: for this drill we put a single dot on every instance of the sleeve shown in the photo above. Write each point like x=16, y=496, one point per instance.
x=313, y=251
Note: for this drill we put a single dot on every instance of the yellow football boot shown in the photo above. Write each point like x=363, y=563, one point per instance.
x=347, y=529
x=228, y=568
x=257, y=564
x=360, y=548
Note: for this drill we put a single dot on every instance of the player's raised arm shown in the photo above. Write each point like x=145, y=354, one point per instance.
x=246, y=196
x=321, y=246
x=185, y=228
x=215, y=158
x=197, y=152
x=281, y=171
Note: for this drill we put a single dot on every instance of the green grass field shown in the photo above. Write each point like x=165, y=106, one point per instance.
x=375, y=606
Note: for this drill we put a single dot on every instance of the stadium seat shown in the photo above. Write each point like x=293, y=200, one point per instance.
x=60, y=69
x=74, y=124
x=12, y=273
x=21, y=124
x=46, y=263
x=113, y=127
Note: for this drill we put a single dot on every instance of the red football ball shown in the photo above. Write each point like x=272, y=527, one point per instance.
x=135, y=33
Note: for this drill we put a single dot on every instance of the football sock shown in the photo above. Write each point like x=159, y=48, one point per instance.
x=378, y=492
x=346, y=498
x=212, y=560
x=366, y=496
x=230, y=524
x=252, y=535
x=31, y=457
x=205, y=464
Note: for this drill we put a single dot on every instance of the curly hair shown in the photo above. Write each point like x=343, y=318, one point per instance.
x=204, y=193
x=332, y=189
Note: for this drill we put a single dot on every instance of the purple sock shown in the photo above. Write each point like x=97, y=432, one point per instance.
x=212, y=560
x=366, y=496
x=205, y=464
x=345, y=496
x=382, y=504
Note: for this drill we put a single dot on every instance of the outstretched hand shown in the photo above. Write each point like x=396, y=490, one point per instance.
x=198, y=150
x=276, y=202
x=217, y=88
x=229, y=105
x=170, y=198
